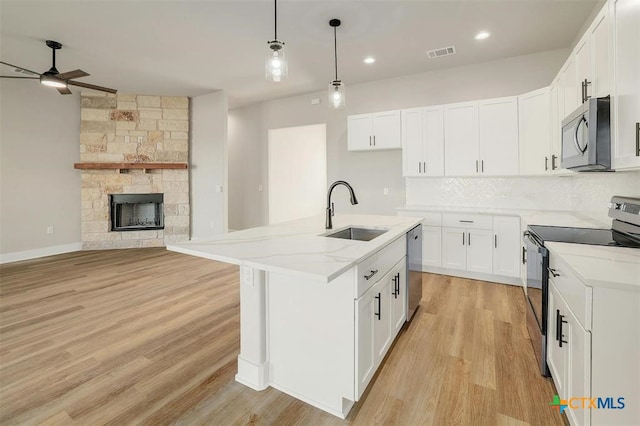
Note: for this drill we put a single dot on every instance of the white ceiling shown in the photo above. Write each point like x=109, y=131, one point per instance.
x=194, y=47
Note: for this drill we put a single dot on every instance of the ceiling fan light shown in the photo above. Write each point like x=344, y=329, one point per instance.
x=336, y=94
x=276, y=67
x=51, y=81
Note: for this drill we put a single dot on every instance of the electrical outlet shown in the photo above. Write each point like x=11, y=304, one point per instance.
x=139, y=139
x=315, y=101
x=50, y=230
x=127, y=139
x=260, y=187
x=218, y=188
x=385, y=191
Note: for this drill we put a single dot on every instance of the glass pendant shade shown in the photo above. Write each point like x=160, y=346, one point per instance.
x=336, y=94
x=276, y=67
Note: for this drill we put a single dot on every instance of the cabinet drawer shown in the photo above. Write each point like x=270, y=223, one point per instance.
x=578, y=296
x=374, y=267
x=468, y=221
x=428, y=218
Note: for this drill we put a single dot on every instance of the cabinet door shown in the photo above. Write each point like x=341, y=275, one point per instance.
x=412, y=141
x=557, y=108
x=498, y=121
x=398, y=297
x=431, y=245
x=480, y=250
x=556, y=356
x=506, y=246
x=583, y=65
x=454, y=248
x=534, y=121
x=626, y=45
x=387, y=132
x=578, y=365
x=570, y=86
x=599, y=41
x=434, y=141
x=360, y=132
x=382, y=318
x=461, y=150
x=365, y=357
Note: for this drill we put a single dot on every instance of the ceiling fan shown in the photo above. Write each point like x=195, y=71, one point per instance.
x=53, y=78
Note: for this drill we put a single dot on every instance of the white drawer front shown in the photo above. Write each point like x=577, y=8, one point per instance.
x=468, y=221
x=578, y=296
x=374, y=267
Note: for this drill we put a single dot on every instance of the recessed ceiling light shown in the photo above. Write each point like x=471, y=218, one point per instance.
x=369, y=60
x=482, y=35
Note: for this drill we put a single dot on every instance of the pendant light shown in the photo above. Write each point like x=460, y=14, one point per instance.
x=276, y=68
x=336, y=93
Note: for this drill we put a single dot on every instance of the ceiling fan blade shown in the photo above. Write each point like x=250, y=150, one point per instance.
x=72, y=74
x=64, y=90
x=91, y=86
x=24, y=69
x=11, y=76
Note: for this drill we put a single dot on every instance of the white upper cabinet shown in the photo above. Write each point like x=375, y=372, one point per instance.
x=380, y=130
x=498, y=120
x=557, y=105
x=423, y=141
x=570, y=87
x=599, y=38
x=625, y=16
x=535, y=133
x=592, y=59
x=461, y=148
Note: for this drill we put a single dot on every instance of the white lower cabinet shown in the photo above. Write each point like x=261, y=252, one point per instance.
x=569, y=356
x=506, y=246
x=468, y=249
x=431, y=246
x=380, y=314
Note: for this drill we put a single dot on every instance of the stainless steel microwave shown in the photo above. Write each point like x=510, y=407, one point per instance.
x=586, y=137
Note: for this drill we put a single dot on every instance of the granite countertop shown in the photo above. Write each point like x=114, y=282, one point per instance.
x=529, y=217
x=601, y=266
x=298, y=248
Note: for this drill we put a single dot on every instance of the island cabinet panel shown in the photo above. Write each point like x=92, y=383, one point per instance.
x=310, y=328
x=398, y=296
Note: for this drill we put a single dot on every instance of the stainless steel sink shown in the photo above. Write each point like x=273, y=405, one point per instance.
x=360, y=234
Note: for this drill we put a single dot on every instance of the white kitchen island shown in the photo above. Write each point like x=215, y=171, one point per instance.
x=317, y=314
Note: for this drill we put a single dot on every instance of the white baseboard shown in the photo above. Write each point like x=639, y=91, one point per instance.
x=36, y=253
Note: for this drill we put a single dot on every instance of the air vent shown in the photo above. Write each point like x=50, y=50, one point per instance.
x=443, y=51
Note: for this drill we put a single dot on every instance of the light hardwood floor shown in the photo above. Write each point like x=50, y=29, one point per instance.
x=147, y=336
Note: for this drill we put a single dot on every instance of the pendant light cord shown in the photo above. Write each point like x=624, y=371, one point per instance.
x=335, y=50
x=275, y=19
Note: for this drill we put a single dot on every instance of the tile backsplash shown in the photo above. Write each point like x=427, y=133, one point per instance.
x=586, y=193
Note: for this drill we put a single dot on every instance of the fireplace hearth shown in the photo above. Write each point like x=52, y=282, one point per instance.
x=135, y=212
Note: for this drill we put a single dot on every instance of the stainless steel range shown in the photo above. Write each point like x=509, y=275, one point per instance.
x=625, y=232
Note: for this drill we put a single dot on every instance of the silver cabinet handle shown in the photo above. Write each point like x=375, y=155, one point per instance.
x=553, y=162
x=469, y=239
x=482, y=166
x=463, y=238
x=466, y=221
x=374, y=140
x=419, y=166
x=368, y=277
x=495, y=241
x=369, y=140
x=546, y=163
x=476, y=166
x=424, y=166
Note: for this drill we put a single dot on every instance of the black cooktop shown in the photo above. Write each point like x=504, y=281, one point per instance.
x=598, y=237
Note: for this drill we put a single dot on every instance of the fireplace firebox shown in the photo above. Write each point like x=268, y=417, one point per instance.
x=134, y=212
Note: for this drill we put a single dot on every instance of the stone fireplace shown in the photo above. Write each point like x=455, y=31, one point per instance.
x=128, y=147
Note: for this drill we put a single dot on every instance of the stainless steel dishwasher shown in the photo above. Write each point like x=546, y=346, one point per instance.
x=414, y=270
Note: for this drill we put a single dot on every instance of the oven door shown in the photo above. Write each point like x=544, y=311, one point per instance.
x=537, y=289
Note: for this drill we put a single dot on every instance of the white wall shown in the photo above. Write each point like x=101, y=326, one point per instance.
x=39, y=142
x=368, y=172
x=208, y=165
